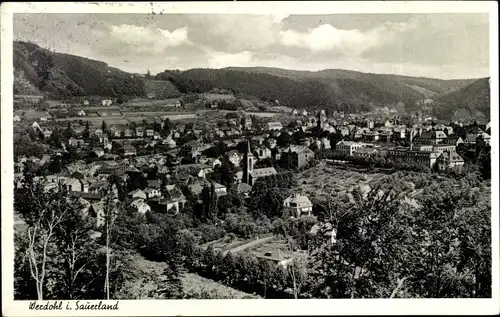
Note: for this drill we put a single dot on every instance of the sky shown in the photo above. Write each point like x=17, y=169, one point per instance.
x=435, y=45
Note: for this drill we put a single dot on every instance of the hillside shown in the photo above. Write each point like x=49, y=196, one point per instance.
x=62, y=75
x=338, y=89
x=160, y=89
x=432, y=86
x=470, y=101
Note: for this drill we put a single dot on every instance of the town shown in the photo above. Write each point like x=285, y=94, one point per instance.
x=162, y=156
x=235, y=171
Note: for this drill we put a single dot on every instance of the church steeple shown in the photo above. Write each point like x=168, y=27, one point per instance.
x=249, y=161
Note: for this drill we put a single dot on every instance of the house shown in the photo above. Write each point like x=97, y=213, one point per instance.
x=106, y=102
x=432, y=137
x=343, y=131
x=75, y=142
x=96, y=211
x=150, y=133
x=81, y=113
x=192, y=149
x=169, y=142
x=263, y=152
x=99, y=152
x=241, y=188
x=47, y=133
x=98, y=133
x=129, y=150
x=174, y=200
x=152, y=192
x=472, y=138
x=214, y=162
x=449, y=160
x=234, y=157
x=296, y=156
x=298, y=205
x=399, y=133
x=16, y=119
x=276, y=125
x=370, y=135
x=86, y=103
x=454, y=140
x=247, y=123
x=138, y=193
x=139, y=132
x=141, y=205
x=128, y=133
x=348, y=147
x=295, y=112
x=220, y=190
x=154, y=183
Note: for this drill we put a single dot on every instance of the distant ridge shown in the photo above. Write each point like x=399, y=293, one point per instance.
x=40, y=71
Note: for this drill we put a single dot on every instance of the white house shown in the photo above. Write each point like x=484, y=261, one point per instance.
x=141, y=206
x=152, y=192
x=298, y=205
x=16, y=119
x=138, y=194
x=274, y=125
x=220, y=190
x=106, y=102
x=81, y=113
x=234, y=157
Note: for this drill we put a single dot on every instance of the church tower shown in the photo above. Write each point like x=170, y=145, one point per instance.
x=249, y=161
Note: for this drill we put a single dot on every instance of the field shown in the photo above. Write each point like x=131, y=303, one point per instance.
x=147, y=102
x=30, y=113
x=215, y=97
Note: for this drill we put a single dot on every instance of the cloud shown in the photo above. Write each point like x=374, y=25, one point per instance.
x=220, y=59
x=234, y=33
x=147, y=40
x=349, y=42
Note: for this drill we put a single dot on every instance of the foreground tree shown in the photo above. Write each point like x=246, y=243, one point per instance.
x=387, y=248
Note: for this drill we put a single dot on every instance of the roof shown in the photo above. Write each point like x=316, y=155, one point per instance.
x=300, y=200
x=241, y=187
x=433, y=135
x=452, y=157
x=155, y=183
x=87, y=196
x=217, y=185
x=297, y=149
x=263, y=172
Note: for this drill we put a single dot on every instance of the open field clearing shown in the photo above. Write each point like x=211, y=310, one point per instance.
x=147, y=102
x=215, y=97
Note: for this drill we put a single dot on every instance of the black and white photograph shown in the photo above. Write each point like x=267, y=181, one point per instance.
x=256, y=156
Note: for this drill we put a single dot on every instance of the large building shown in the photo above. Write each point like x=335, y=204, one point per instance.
x=449, y=160
x=432, y=137
x=348, y=147
x=424, y=158
x=296, y=156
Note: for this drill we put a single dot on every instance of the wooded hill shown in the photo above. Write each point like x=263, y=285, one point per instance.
x=40, y=71
x=37, y=70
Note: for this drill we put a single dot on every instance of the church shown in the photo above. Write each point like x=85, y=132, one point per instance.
x=251, y=174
